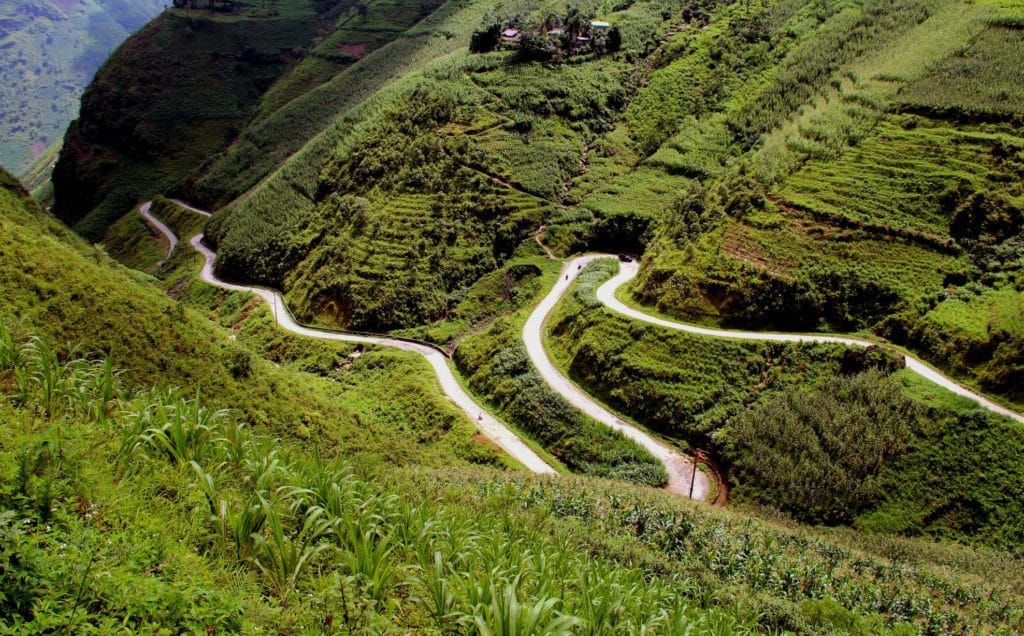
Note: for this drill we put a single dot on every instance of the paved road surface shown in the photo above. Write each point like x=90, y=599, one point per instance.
x=490, y=426
x=172, y=240
x=680, y=467
x=627, y=271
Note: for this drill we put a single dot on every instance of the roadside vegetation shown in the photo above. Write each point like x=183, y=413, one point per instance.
x=254, y=533
x=824, y=434
x=881, y=196
x=78, y=298
x=805, y=165
x=731, y=143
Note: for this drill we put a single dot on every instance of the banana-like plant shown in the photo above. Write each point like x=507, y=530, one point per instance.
x=506, y=615
x=601, y=604
x=178, y=429
x=366, y=553
x=283, y=558
x=43, y=378
x=10, y=353
x=234, y=444
x=438, y=598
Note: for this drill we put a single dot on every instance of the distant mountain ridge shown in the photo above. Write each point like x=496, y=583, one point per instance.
x=50, y=52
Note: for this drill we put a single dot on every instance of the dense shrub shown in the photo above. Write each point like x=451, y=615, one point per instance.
x=486, y=39
x=818, y=454
x=21, y=580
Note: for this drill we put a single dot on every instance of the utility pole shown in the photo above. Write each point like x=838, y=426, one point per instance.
x=698, y=457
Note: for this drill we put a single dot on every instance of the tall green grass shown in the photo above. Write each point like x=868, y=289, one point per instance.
x=255, y=534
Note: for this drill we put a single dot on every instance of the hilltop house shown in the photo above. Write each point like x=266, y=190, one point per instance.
x=511, y=36
x=549, y=40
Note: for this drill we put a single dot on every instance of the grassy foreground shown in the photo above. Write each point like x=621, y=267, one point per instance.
x=252, y=533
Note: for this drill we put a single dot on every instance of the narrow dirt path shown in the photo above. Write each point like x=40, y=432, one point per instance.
x=547, y=250
x=627, y=271
x=680, y=467
x=489, y=425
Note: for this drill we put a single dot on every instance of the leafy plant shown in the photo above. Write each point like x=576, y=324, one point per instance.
x=21, y=578
x=283, y=557
x=173, y=427
x=506, y=615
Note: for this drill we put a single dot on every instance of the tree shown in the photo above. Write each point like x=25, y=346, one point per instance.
x=533, y=48
x=486, y=39
x=575, y=22
x=614, y=41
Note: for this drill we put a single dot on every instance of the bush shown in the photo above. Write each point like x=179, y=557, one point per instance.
x=818, y=454
x=485, y=39
x=241, y=364
x=20, y=580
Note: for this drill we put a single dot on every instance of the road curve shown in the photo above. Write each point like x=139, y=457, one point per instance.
x=182, y=204
x=627, y=271
x=172, y=240
x=680, y=468
x=490, y=426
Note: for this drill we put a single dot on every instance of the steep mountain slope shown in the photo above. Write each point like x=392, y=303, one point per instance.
x=794, y=164
x=192, y=81
x=860, y=184
x=448, y=189
x=721, y=126
x=125, y=507
x=50, y=52
x=76, y=296
x=826, y=433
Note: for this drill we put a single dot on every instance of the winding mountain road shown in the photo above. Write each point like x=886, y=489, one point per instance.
x=172, y=240
x=490, y=426
x=680, y=467
x=606, y=293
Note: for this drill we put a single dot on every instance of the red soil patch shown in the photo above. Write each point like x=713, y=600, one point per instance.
x=740, y=247
x=355, y=50
x=37, y=148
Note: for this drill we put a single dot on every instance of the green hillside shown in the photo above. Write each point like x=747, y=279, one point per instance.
x=82, y=301
x=826, y=434
x=50, y=52
x=177, y=91
x=792, y=166
x=210, y=78
x=128, y=504
x=883, y=195
x=847, y=166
